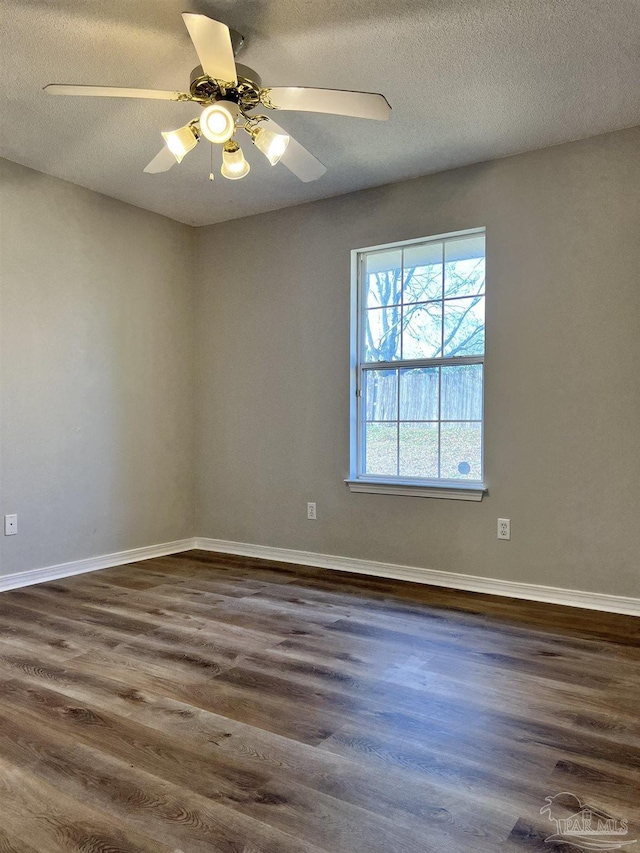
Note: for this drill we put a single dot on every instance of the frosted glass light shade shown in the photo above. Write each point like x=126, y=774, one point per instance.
x=234, y=166
x=181, y=141
x=218, y=121
x=273, y=145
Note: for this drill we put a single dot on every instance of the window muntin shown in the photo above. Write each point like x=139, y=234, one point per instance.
x=420, y=361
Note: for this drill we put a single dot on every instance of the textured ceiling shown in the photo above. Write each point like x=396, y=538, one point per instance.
x=468, y=80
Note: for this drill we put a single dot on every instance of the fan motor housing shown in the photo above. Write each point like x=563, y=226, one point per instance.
x=207, y=90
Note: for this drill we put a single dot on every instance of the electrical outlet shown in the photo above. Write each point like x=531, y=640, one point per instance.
x=10, y=525
x=311, y=511
x=504, y=528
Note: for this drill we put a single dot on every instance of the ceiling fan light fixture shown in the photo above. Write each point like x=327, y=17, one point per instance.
x=234, y=166
x=181, y=141
x=218, y=121
x=273, y=145
x=228, y=97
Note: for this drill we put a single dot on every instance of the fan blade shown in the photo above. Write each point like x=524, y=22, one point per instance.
x=297, y=159
x=162, y=162
x=114, y=92
x=335, y=101
x=212, y=41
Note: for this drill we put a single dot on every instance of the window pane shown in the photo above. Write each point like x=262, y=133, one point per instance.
x=422, y=273
x=380, y=395
x=418, y=303
x=461, y=451
x=422, y=336
x=381, y=449
x=382, y=334
x=419, y=394
x=462, y=392
x=464, y=266
x=464, y=326
x=419, y=450
x=383, y=278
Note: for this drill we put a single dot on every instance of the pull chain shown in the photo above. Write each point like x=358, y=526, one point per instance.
x=211, y=168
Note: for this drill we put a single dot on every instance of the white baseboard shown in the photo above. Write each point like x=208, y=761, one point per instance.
x=91, y=564
x=452, y=580
x=469, y=583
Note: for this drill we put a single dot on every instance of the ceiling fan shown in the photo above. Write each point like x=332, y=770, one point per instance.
x=231, y=96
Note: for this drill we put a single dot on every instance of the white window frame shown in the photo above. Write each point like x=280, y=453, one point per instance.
x=472, y=490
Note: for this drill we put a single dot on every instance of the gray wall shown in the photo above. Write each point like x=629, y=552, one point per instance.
x=97, y=370
x=562, y=385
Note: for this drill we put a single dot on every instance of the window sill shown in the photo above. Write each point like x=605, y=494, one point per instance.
x=467, y=492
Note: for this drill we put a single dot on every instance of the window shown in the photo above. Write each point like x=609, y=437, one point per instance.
x=418, y=367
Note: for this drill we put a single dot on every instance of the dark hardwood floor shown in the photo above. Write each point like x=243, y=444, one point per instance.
x=205, y=702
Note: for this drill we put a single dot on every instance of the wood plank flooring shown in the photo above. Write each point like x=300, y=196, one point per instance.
x=205, y=702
